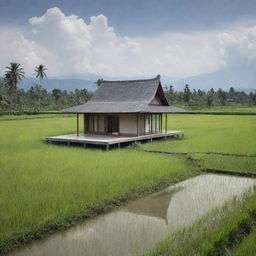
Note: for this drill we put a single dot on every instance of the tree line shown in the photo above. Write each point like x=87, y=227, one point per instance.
x=200, y=98
x=37, y=98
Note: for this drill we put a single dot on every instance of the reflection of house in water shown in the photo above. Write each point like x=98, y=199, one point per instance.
x=155, y=205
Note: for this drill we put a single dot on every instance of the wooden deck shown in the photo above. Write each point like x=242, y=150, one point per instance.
x=107, y=140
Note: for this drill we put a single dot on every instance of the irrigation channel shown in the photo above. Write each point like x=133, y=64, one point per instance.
x=141, y=224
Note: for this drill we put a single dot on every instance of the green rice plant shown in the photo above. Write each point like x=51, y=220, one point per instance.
x=210, y=133
x=45, y=187
x=25, y=117
x=247, y=246
x=227, y=163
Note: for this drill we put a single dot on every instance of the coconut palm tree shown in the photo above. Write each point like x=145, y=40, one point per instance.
x=40, y=72
x=13, y=74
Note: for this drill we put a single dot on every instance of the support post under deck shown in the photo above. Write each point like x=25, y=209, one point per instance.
x=77, y=124
x=137, y=125
x=166, y=122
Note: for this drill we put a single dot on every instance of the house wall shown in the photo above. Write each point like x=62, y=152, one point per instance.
x=101, y=123
x=128, y=124
x=156, y=101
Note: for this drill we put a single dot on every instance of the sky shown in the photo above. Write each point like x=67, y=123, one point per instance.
x=174, y=38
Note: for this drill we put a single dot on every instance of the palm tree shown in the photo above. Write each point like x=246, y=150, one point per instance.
x=40, y=72
x=13, y=74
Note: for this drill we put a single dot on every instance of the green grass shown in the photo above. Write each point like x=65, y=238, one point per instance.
x=247, y=247
x=227, y=163
x=42, y=183
x=230, y=108
x=224, y=134
x=46, y=185
x=210, y=133
x=25, y=117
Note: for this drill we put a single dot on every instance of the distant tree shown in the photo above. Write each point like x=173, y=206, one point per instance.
x=253, y=98
x=171, y=94
x=56, y=93
x=13, y=74
x=99, y=81
x=81, y=96
x=186, y=93
x=200, y=92
x=40, y=73
x=222, y=96
x=210, y=97
x=231, y=90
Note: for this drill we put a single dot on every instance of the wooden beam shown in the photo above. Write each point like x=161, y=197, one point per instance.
x=77, y=124
x=137, y=125
x=165, y=122
x=85, y=124
x=98, y=122
x=161, y=122
x=144, y=124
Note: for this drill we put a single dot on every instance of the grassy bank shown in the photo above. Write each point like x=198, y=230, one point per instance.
x=25, y=117
x=247, y=246
x=214, y=234
x=220, y=134
x=206, y=133
x=229, y=108
x=46, y=187
x=227, y=163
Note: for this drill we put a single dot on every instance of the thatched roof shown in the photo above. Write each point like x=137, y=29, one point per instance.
x=129, y=96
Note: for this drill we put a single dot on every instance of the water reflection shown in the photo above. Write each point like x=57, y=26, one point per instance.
x=142, y=223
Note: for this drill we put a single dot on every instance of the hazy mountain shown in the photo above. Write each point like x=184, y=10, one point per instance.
x=241, y=76
x=69, y=84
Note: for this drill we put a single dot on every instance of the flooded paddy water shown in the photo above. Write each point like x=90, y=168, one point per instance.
x=141, y=224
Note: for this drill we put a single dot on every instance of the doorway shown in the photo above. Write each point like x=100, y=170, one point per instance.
x=113, y=124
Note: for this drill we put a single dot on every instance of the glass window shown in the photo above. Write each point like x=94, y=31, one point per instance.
x=147, y=123
x=157, y=123
x=153, y=123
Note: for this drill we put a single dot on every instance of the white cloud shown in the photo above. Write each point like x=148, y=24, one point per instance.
x=67, y=45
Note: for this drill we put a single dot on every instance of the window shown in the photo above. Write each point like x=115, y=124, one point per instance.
x=153, y=123
x=147, y=124
x=92, y=123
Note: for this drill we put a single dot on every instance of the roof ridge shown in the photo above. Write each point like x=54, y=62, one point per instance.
x=131, y=81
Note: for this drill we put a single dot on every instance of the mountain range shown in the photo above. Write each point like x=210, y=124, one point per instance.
x=241, y=76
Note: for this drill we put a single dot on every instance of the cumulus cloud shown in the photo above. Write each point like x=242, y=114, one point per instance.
x=67, y=45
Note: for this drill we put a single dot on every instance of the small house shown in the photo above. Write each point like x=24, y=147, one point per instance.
x=125, y=109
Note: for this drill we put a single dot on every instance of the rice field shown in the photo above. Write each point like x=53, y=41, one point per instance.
x=217, y=134
x=227, y=163
x=44, y=186
x=247, y=246
x=41, y=184
x=210, y=133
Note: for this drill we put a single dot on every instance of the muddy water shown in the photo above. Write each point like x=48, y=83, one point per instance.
x=141, y=224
